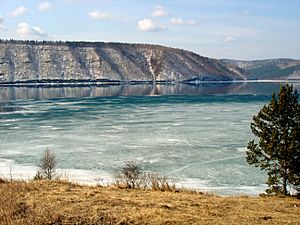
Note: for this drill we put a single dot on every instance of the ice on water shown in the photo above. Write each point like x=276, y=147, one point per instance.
x=196, y=140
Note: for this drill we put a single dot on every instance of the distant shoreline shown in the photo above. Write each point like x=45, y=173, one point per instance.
x=73, y=83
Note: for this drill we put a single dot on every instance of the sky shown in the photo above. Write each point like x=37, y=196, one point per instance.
x=235, y=29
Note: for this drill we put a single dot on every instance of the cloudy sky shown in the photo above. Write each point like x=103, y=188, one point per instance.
x=238, y=29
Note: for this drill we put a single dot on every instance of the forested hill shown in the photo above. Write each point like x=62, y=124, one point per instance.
x=30, y=61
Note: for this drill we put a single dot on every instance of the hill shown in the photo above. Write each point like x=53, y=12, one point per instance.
x=30, y=61
x=268, y=69
x=35, y=62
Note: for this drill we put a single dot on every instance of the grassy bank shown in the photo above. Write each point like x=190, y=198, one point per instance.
x=58, y=202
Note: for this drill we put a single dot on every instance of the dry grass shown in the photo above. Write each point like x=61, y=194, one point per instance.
x=58, y=202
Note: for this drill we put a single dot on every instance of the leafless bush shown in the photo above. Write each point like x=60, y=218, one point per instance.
x=47, y=166
x=159, y=183
x=131, y=177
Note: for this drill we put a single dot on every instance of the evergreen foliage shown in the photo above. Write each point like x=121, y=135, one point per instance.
x=277, y=127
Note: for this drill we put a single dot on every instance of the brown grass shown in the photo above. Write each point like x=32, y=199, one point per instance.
x=58, y=202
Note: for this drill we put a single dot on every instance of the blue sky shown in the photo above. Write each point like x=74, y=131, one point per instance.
x=237, y=29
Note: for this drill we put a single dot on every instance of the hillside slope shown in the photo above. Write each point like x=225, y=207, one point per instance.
x=268, y=69
x=24, y=61
x=57, y=202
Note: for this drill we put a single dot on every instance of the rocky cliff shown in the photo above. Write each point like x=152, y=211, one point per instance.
x=29, y=61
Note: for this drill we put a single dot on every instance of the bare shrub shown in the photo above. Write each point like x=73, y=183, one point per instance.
x=47, y=166
x=158, y=183
x=131, y=177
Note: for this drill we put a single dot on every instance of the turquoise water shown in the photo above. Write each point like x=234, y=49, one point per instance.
x=196, y=138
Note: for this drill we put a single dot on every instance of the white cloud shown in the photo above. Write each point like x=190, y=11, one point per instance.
x=44, y=6
x=180, y=21
x=26, y=30
x=229, y=39
x=19, y=11
x=245, y=12
x=159, y=11
x=149, y=25
x=100, y=15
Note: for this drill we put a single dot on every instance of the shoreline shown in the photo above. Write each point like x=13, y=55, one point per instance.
x=26, y=173
x=103, y=83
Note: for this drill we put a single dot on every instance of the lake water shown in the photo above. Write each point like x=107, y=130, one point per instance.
x=194, y=135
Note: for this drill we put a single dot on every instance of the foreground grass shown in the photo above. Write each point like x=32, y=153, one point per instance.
x=57, y=202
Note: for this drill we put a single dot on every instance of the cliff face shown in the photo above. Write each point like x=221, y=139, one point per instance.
x=22, y=61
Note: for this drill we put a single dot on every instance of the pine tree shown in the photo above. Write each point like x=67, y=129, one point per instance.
x=277, y=127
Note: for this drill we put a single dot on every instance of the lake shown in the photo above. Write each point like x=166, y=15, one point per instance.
x=194, y=135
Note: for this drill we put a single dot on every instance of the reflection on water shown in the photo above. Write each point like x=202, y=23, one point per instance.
x=18, y=93
x=8, y=107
